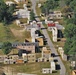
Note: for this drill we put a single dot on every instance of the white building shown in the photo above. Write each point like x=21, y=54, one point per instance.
x=18, y=22
x=53, y=65
x=54, y=27
x=61, y=51
x=18, y=1
x=54, y=34
x=55, y=15
x=34, y=24
x=46, y=70
x=24, y=74
x=33, y=34
x=23, y=13
x=9, y=3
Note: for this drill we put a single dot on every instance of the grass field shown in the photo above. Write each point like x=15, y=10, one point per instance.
x=33, y=68
x=5, y=33
x=13, y=33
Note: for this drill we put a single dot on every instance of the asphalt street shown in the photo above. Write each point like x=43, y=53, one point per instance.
x=50, y=44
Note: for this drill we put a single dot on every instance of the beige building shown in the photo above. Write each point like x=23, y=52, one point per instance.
x=31, y=58
x=21, y=1
x=3, y=57
x=55, y=15
x=61, y=52
x=14, y=57
x=24, y=56
x=9, y=61
x=46, y=54
x=74, y=72
x=39, y=40
x=28, y=46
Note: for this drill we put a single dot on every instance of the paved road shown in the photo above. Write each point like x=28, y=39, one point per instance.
x=62, y=70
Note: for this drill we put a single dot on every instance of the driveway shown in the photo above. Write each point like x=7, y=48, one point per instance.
x=53, y=50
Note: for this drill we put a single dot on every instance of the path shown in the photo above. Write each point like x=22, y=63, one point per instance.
x=62, y=70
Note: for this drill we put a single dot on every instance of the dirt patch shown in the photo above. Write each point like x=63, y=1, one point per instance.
x=17, y=33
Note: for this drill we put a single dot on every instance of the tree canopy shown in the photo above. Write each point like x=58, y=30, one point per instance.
x=71, y=3
x=70, y=34
x=49, y=5
x=70, y=29
x=6, y=12
x=32, y=15
x=6, y=47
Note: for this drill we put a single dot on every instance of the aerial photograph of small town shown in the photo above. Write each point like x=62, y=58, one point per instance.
x=37, y=37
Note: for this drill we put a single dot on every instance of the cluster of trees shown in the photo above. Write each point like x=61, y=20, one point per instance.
x=6, y=12
x=71, y=3
x=70, y=30
x=49, y=5
x=6, y=47
x=32, y=15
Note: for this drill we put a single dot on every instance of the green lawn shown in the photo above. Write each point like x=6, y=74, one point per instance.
x=35, y=68
x=68, y=69
x=5, y=33
x=38, y=10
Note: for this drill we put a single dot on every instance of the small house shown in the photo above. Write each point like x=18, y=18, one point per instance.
x=14, y=57
x=55, y=15
x=53, y=67
x=24, y=56
x=46, y=71
x=31, y=58
x=18, y=22
x=24, y=74
x=9, y=3
x=46, y=53
x=20, y=1
x=34, y=24
x=3, y=57
x=51, y=25
x=23, y=13
x=42, y=59
x=6, y=61
x=61, y=51
x=9, y=61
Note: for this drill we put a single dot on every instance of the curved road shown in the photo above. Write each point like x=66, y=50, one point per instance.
x=62, y=67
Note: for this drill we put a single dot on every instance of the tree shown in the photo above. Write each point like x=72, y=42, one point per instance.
x=66, y=9
x=6, y=12
x=70, y=46
x=67, y=45
x=32, y=16
x=70, y=30
x=49, y=5
x=67, y=2
x=6, y=47
x=70, y=34
x=73, y=4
